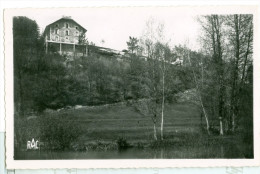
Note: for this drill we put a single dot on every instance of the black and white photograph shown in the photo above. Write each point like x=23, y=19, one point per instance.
x=125, y=83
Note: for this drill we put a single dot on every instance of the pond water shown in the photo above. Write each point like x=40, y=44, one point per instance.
x=190, y=152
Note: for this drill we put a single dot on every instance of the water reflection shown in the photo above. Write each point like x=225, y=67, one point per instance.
x=181, y=152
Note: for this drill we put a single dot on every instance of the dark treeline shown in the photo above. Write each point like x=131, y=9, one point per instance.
x=45, y=81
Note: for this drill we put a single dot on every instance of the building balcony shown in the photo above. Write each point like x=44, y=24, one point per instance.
x=66, y=48
x=63, y=42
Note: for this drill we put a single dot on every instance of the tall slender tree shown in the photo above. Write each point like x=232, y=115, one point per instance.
x=213, y=29
x=158, y=53
x=240, y=35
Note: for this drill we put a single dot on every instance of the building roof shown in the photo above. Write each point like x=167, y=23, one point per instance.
x=103, y=50
x=66, y=18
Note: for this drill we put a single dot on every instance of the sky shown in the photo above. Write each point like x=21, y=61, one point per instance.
x=115, y=25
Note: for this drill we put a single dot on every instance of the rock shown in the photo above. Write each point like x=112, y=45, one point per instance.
x=77, y=107
x=31, y=117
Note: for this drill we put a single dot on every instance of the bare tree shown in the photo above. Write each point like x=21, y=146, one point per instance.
x=157, y=51
x=212, y=26
x=228, y=39
x=240, y=40
x=162, y=57
x=199, y=92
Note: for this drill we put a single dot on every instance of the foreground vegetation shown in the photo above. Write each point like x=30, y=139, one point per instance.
x=121, y=127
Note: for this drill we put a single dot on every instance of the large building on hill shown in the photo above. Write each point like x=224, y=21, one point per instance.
x=65, y=36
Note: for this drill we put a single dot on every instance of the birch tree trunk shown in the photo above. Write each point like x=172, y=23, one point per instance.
x=154, y=131
x=199, y=96
x=163, y=78
x=221, y=126
x=217, y=58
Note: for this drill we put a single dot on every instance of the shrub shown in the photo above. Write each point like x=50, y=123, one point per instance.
x=58, y=133
x=101, y=146
x=122, y=143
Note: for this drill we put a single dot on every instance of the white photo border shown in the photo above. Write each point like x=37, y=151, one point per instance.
x=126, y=163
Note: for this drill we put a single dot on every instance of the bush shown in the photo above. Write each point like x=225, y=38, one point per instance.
x=171, y=98
x=122, y=143
x=58, y=133
x=101, y=146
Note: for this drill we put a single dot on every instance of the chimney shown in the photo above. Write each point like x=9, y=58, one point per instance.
x=66, y=17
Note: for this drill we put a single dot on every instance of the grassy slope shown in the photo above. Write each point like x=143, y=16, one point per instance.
x=110, y=123
x=182, y=131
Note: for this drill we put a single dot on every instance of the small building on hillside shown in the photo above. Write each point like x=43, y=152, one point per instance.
x=66, y=37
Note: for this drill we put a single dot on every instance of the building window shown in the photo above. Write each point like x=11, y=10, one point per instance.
x=67, y=25
x=76, y=28
x=77, y=33
x=57, y=25
x=67, y=32
x=56, y=31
